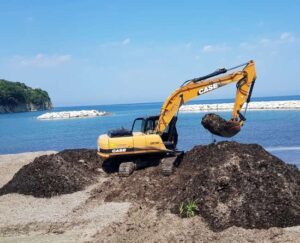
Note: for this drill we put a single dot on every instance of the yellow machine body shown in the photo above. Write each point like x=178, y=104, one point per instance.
x=138, y=143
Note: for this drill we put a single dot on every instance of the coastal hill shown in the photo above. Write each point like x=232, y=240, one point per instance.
x=18, y=97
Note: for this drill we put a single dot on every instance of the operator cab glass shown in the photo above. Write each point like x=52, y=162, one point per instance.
x=148, y=125
x=151, y=124
x=143, y=125
x=138, y=125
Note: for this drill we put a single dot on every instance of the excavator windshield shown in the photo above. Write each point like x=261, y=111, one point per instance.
x=145, y=125
x=138, y=125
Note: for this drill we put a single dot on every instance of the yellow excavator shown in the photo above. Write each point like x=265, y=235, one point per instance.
x=157, y=135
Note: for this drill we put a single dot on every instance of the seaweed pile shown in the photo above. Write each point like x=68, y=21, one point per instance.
x=51, y=175
x=232, y=184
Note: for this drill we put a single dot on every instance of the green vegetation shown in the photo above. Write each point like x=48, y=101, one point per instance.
x=189, y=210
x=181, y=210
x=15, y=93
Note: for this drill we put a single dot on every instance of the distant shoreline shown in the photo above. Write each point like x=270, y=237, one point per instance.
x=255, y=106
x=72, y=114
x=197, y=100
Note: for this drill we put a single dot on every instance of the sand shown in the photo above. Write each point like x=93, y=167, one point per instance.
x=67, y=218
x=81, y=217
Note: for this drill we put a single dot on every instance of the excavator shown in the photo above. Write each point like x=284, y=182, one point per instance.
x=157, y=135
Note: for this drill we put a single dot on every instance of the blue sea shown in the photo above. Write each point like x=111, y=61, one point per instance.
x=277, y=131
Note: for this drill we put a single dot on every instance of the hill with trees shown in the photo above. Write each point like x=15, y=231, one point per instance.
x=18, y=97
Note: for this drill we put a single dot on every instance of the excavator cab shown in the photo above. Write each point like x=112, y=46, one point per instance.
x=144, y=125
x=147, y=126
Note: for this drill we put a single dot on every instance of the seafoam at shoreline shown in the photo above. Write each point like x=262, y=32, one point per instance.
x=257, y=106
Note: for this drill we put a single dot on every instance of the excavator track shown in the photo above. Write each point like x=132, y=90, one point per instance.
x=126, y=169
x=167, y=165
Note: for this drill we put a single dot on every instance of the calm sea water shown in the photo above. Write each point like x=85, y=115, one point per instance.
x=277, y=131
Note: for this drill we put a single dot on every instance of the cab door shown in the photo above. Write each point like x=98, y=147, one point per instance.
x=139, y=140
x=153, y=140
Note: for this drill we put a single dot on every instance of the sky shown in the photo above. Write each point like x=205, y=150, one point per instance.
x=110, y=52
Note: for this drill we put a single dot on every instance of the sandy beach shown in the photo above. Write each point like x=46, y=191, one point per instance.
x=79, y=217
x=66, y=218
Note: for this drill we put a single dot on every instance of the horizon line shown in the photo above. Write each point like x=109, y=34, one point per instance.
x=137, y=103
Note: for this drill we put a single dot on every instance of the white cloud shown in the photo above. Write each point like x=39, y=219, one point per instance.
x=245, y=45
x=126, y=41
x=284, y=38
x=287, y=37
x=264, y=41
x=207, y=48
x=214, y=48
x=42, y=60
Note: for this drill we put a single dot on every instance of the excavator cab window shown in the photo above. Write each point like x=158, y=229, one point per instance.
x=138, y=125
x=151, y=125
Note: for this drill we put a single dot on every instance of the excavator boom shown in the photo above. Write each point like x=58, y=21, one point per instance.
x=193, y=88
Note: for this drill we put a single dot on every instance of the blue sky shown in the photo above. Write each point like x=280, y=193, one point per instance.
x=102, y=52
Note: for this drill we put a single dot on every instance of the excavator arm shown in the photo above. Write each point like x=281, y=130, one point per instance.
x=193, y=88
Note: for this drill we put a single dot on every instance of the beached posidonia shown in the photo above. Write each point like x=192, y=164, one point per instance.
x=85, y=215
x=71, y=114
x=257, y=105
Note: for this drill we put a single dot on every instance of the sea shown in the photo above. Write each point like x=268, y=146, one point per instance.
x=277, y=131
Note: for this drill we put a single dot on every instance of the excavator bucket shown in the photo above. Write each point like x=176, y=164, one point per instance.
x=219, y=126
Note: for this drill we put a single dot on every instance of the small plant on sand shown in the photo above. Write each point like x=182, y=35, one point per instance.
x=189, y=210
x=181, y=210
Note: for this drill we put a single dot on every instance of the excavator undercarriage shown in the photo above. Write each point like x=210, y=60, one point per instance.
x=126, y=165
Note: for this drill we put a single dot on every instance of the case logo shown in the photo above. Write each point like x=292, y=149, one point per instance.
x=119, y=150
x=208, y=88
